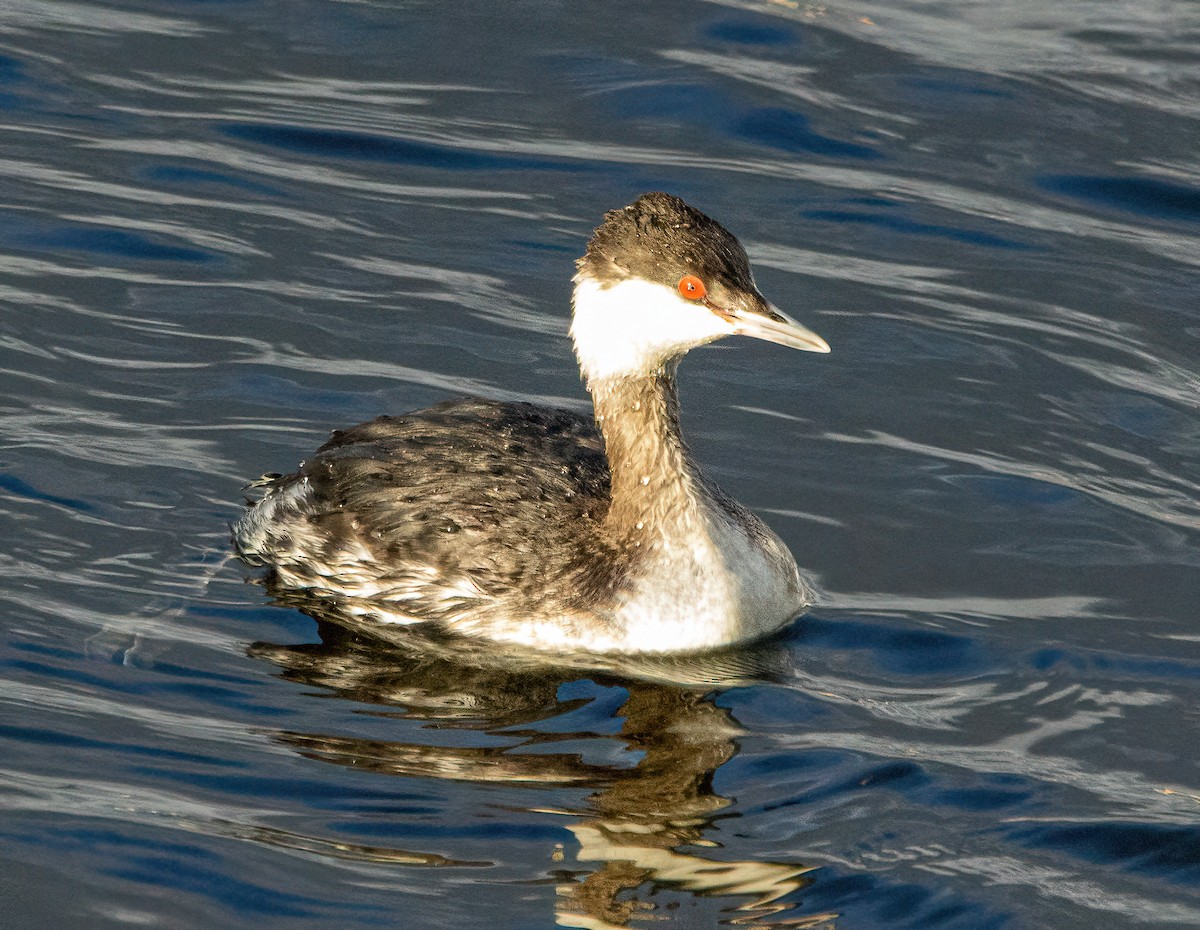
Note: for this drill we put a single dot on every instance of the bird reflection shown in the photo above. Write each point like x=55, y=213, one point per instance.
x=641, y=827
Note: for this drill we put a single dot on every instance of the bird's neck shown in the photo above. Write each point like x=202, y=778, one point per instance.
x=655, y=485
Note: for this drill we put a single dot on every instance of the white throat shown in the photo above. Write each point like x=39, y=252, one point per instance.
x=636, y=326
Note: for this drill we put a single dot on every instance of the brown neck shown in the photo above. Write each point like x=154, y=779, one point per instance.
x=653, y=478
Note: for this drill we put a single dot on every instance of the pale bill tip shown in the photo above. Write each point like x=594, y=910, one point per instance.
x=816, y=343
x=782, y=330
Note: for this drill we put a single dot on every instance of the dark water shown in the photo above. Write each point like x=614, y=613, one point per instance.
x=228, y=227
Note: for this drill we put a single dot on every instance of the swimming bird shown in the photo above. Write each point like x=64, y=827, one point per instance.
x=541, y=527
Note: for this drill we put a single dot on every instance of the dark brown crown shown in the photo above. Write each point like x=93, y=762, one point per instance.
x=660, y=238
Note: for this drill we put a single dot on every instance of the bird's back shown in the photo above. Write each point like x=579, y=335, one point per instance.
x=437, y=515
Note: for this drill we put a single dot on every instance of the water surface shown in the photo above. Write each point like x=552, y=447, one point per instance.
x=228, y=228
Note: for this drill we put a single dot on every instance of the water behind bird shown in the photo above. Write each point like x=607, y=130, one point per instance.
x=227, y=232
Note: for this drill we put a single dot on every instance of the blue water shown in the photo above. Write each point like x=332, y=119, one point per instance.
x=228, y=228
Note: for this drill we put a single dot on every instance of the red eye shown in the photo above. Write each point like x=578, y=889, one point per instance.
x=692, y=287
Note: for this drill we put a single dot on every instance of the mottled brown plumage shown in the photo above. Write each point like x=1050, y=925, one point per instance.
x=520, y=523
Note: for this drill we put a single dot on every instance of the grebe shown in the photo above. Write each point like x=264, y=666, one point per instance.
x=535, y=526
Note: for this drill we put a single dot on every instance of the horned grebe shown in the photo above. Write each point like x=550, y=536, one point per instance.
x=535, y=526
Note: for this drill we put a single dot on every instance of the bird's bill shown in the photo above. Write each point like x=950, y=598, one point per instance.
x=773, y=325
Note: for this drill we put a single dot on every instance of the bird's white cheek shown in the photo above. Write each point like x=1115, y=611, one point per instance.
x=633, y=326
